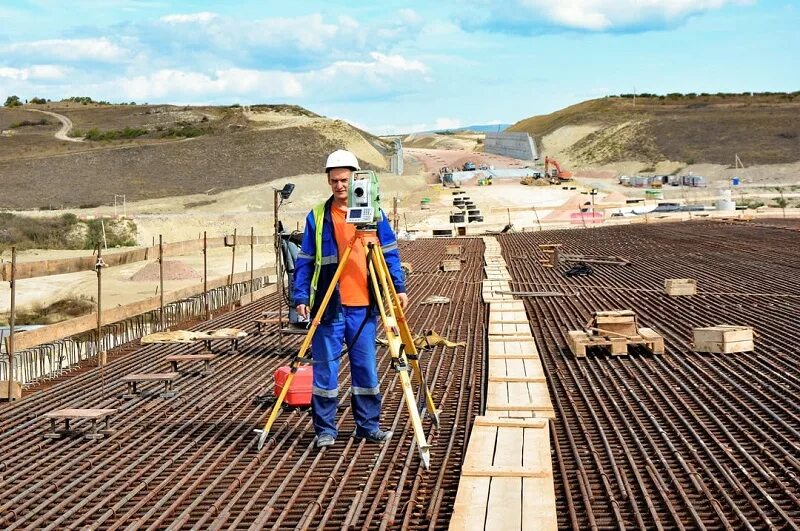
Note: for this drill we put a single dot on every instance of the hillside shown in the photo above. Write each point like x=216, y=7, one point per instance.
x=465, y=140
x=152, y=151
x=692, y=129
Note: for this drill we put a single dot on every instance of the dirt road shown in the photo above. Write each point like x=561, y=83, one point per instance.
x=66, y=125
x=433, y=159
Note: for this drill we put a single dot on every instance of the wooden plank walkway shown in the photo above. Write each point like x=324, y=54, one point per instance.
x=507, y=475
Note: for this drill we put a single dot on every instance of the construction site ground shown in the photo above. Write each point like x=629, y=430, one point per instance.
x=680, y=440
x=191, y=461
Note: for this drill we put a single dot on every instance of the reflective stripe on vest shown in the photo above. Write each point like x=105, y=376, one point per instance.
x=319, y=260
x=319, y=217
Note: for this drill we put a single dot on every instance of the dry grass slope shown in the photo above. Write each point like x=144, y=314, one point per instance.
x=700, y=129
x=228, y=152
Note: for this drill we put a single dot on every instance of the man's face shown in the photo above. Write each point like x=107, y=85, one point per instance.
x=339, y=179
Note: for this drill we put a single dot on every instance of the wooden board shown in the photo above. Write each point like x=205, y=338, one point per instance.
x=532, y=399
x=512, y=348
x=16, y=389
x=190, y=357
x=507, y=477
x=151, y=377
x=77, y=413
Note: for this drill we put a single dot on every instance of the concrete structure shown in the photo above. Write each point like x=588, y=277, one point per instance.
x=504, y=173
x=396, y=160
x=516, y=145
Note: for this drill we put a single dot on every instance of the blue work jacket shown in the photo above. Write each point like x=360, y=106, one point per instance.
x=316, y=264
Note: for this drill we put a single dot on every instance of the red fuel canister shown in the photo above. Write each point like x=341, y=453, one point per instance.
x=299, y=394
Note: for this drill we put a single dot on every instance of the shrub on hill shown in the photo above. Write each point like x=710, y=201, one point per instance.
x=115, y=134
x=12, y=101
x=30, y=123
x=63, y=232
x=185, y=130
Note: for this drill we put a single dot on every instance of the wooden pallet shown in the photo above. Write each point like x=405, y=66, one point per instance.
x=580, y=341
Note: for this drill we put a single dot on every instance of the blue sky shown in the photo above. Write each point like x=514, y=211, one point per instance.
x=395, y=66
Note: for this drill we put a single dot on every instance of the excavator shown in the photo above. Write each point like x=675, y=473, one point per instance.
x=556, y=172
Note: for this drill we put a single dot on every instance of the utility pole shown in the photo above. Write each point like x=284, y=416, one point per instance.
x=205, y=275
x=161, y=279
x=11, y=322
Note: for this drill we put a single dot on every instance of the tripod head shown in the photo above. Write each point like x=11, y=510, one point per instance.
x=364, y=200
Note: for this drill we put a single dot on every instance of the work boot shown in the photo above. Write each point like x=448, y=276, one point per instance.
x=325, y=440
x=377, y=436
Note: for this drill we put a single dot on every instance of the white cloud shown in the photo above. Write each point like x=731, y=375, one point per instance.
x=203, y=17
x=35, y=72
x=409, y=16
x=342, y=79
x=591, y=15
x=447, y=123
x=383, y=73
x=309, y=32
x=101, y=49
x=174, y=84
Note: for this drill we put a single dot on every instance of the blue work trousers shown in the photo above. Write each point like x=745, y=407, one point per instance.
x=365, y=392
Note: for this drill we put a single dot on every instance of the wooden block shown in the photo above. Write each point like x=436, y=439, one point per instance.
x=453, y=249
x=619, y=346
x=578, y=341
x=16, y=389
x=723, y=339
x=653, y=340
x=680, y=286
x=451, y=265
x=614, y=316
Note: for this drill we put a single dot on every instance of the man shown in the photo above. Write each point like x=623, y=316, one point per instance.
x=351, y=316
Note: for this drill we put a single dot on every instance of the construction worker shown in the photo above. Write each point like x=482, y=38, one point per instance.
x=350, y=317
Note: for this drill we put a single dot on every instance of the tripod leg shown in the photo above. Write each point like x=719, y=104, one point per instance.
x=304, y=347
x=399, y=360
x=405, y=336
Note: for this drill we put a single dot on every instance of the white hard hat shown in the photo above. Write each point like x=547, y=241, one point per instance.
x=341, y=158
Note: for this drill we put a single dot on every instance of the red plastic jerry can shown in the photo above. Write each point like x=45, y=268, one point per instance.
x=299, y=394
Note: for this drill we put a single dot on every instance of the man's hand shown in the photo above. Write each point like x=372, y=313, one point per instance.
x=403, y=298
x=302, y=311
